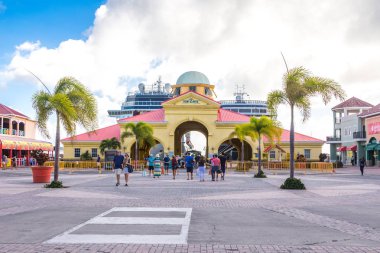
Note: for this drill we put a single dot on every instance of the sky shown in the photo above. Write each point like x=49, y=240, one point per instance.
x=110, y=46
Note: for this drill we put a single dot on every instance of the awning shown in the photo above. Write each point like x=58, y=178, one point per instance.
x=352, y=148
x=267, y=149
x=371, y=146
x=343, y=148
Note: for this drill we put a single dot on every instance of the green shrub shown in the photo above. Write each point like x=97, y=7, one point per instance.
x=85, y=156
x=54, y=184
x=293, y=183
x=260, y=174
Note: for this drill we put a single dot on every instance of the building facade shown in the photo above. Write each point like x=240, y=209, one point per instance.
x=348, y=141
x=17, y=136
x=371, y=119
x=190, y=110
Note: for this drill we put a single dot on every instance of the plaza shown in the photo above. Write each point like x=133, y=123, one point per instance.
x=337, y=213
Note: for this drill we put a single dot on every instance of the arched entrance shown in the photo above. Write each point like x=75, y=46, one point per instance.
x=183, y=129
x=233, y=149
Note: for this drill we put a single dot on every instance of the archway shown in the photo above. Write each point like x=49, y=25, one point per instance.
x=233, y=149
x=181, y=142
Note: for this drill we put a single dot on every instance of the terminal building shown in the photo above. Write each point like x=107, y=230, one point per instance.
x=192, y=108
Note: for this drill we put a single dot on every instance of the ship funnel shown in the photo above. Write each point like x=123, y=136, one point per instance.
x=142, y=88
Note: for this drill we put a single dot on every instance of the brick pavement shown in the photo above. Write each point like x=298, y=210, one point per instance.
x=190, y=248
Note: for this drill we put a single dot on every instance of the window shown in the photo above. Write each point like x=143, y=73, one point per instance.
x=94, y=152
x=76, y=152
x=177, y=91
x=272, y=154
x=193, y=88
x=307, y=153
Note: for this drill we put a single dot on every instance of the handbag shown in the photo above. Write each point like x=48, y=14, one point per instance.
x=130, y=168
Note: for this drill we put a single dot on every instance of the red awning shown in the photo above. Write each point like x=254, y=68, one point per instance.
x=343, y=148
x=352, y=148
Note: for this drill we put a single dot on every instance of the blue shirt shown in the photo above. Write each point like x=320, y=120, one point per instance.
x=189, y=160
x=118, y=161
x=150, y=160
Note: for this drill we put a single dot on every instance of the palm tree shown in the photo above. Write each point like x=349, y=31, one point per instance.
x=260, y=127
x=241, y=131
x=143, y=134
x=72, y=104
x=298, y=87
x=112, y=143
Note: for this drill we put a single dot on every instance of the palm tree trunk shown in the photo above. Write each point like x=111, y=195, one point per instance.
x=291, y=141
x=136, y=153
x=242, y=153
x=258, y=172
x=56, y=153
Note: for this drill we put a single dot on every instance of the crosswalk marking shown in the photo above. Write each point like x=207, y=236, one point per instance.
x=181, y=238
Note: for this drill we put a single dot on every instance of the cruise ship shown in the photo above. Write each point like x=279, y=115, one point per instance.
x=150, y=98
x=243, y=105
x=146, y=99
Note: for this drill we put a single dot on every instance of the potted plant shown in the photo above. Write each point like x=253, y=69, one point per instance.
x=41, y=173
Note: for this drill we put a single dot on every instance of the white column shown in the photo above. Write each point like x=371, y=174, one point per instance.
x=1, y=127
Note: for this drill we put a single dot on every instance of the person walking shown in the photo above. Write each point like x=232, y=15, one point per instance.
x=362, y=163
x=201, y=168
x=166, y=164
x=189, y=163
x=127, y=167
x=150, y=160
x=117, y=166
x=215, y=166
x=223, y=160
x=174, y=166
x=157, y=166
x=98, y=164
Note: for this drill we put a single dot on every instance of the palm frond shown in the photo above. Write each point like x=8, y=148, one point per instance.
x=42, y=105
x=325, y=87
x=276, y=98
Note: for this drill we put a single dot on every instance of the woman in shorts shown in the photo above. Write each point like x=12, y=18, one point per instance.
x=174, y=166
x=126, y=165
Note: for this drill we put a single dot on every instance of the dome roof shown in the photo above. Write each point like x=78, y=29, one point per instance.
x=193, y=77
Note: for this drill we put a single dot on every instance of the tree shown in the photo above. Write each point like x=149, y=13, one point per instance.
x=143, y=134
x=260, y=127
x=72, y=103
x=112, y=143
x=299, y=85
x=241, y=131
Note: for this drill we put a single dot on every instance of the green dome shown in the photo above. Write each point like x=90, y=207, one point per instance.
x=192, y=77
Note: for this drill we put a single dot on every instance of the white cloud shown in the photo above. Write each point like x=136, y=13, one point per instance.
x=232, y=42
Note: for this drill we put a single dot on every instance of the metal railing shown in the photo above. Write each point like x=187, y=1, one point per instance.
x=359, y=135
x=330, y=138
x=299, y=166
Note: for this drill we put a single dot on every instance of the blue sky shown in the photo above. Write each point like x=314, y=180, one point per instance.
x=231, y=42
x=47, y=21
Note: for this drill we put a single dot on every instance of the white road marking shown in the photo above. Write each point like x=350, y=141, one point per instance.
x=68, y=237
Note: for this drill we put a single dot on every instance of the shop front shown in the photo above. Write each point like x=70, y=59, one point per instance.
x=373, y=137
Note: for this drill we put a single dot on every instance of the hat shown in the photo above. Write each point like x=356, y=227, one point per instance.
x=157, y=155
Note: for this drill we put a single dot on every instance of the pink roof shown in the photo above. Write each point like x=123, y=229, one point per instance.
x=373, y=111
x=97, y=135
x=229, y=116
x=152, y=116
x=285, y=137
x=5, y=110
x=352, y=102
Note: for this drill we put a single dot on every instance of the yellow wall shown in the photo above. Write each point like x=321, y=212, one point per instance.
x=202, y=110
x=68, y=148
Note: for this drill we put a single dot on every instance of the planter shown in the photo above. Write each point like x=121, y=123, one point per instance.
x=41, y=174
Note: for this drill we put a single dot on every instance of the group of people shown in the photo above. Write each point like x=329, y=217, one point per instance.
x=122, y=164
x=198, y=162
